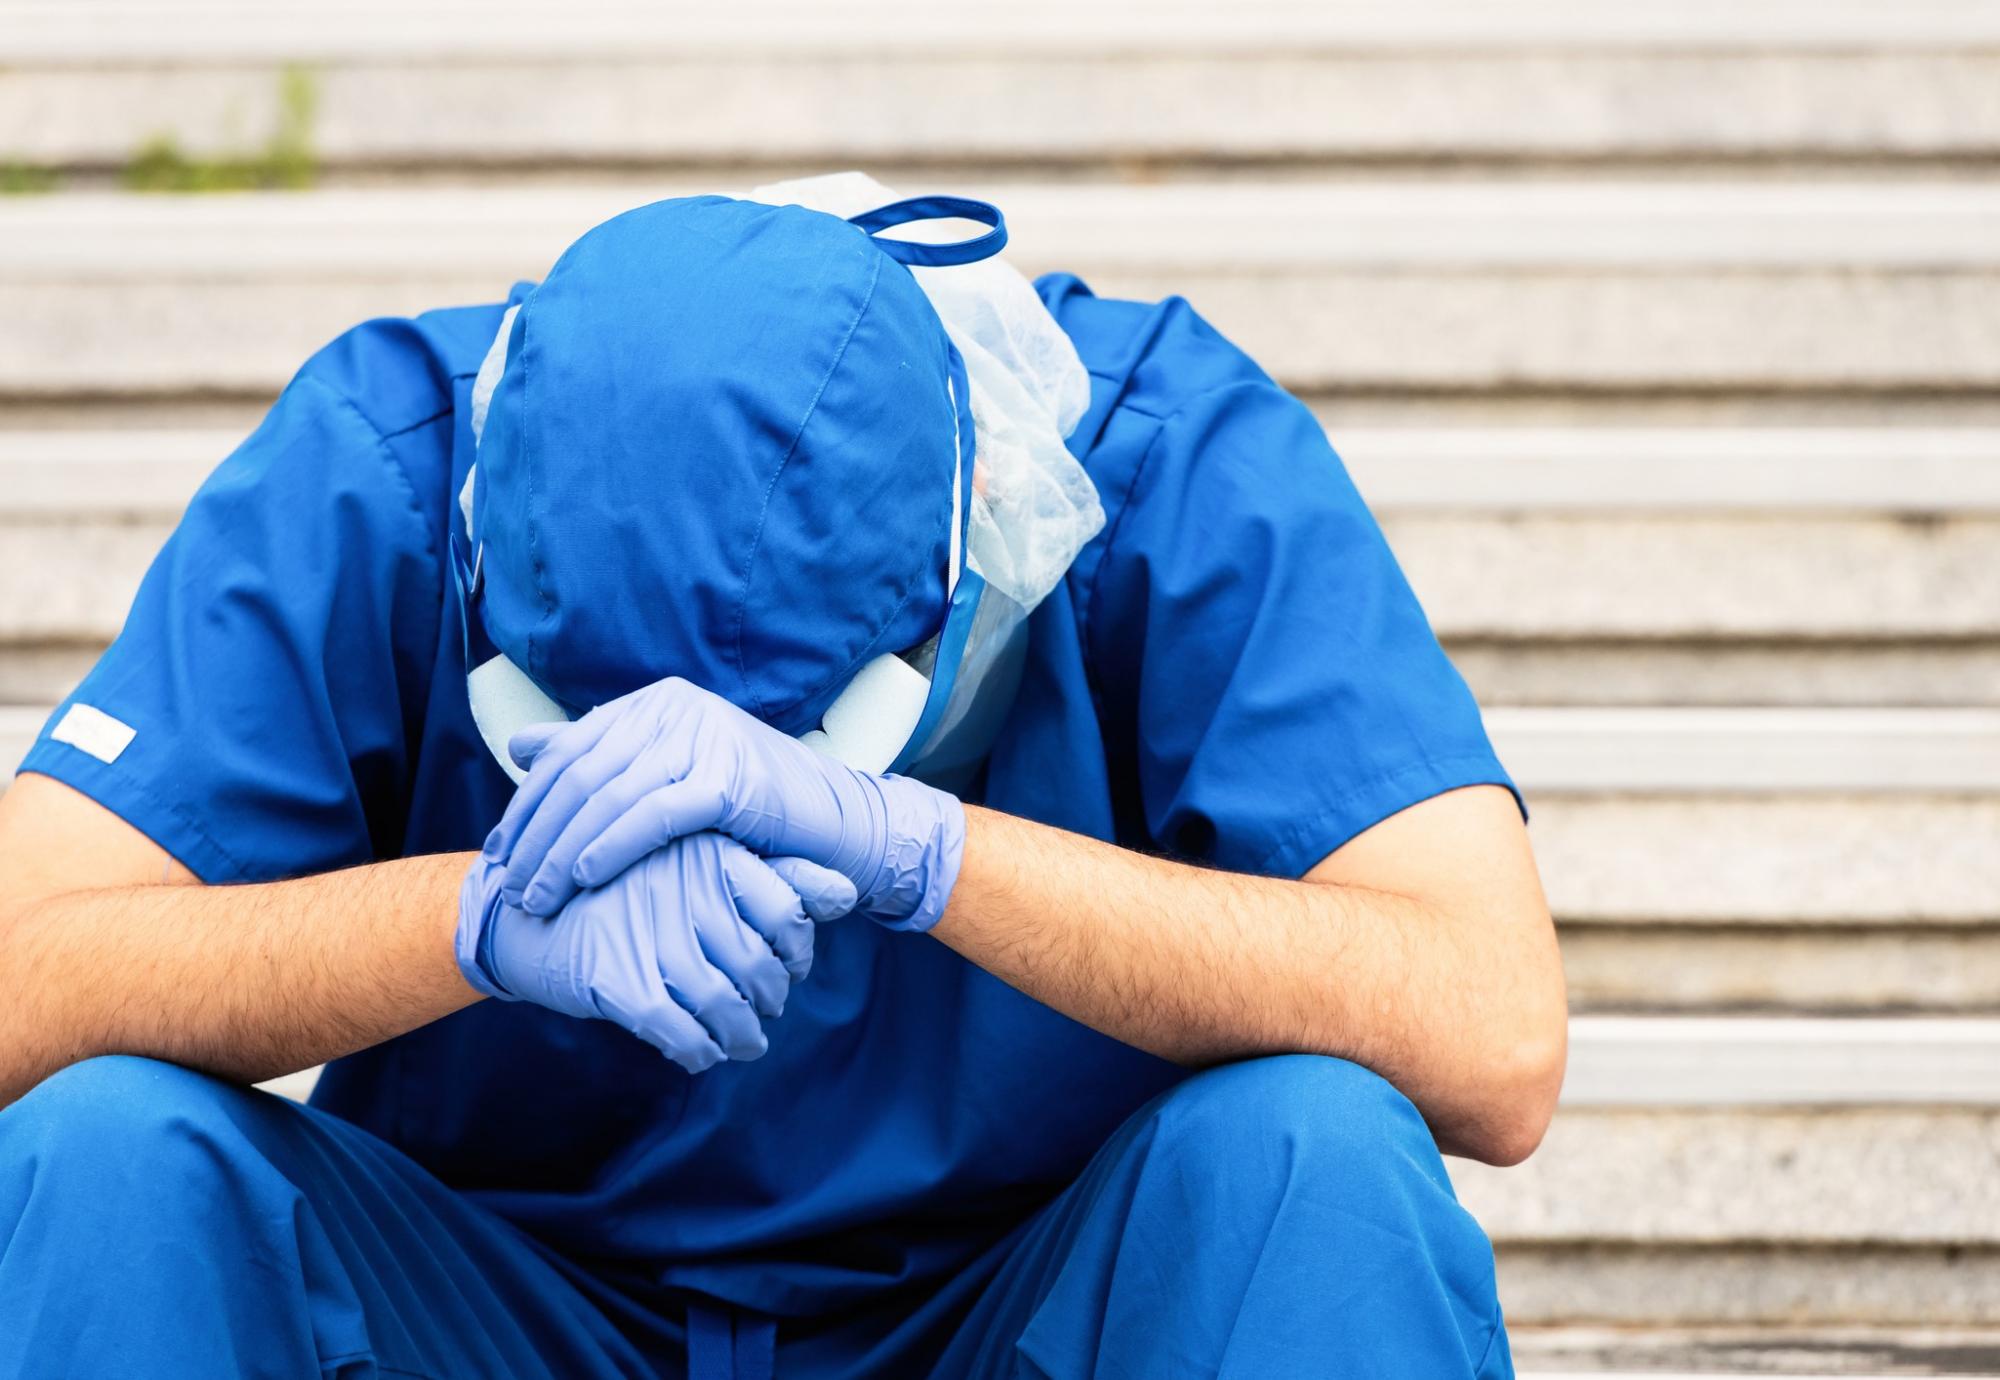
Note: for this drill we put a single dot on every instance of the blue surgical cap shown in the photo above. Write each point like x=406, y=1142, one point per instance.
x=722, y=448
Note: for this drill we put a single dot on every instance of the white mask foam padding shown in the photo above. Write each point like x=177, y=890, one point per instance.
x=504, y=701
x=871, y=722
x=490, y=369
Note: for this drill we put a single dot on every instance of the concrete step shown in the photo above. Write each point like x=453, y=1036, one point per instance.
x=1618, y=1063
x=1713, y=752
x=1911, y=471
x=446, y=85
x=1707, y=484
x=1816, y=1285
x=1486, y=287
x=1758, y=1173
x=1888, y=967
x=1774, y=672
x=1648, y=578
x=1855, y=860
x=1684, y=1353
x=1742, y=471
x=1575, y=582
x=169, y=31
x=1586, y=542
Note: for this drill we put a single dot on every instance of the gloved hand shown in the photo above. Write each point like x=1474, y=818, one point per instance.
x=687, y=950
x=672, y=760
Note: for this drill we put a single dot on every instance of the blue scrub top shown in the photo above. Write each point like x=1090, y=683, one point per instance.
x=1235, y=672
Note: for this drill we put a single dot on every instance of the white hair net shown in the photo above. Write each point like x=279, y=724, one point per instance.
x=1033, y=507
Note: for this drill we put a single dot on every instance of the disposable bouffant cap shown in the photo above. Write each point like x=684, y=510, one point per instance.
x=722, y=448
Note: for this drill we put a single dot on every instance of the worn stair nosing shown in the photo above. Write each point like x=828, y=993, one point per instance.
x=1720, y=751
x=1654, y=1061
x=212, y=32
x=1253, y=228
x=1863, y=471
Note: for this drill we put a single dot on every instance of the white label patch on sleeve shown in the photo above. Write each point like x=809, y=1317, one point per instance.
x=93, y=731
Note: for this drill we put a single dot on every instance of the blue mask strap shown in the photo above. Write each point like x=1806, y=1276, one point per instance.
x=936, y=208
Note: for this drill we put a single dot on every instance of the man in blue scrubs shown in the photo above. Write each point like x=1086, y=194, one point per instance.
x=1133, y=1057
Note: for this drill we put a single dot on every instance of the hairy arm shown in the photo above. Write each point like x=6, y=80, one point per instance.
x=1422, y=949
x=109, y=946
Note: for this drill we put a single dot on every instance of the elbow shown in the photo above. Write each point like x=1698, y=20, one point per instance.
x=1521, y=1091
x=1520, y=1078
x=1527, y=1054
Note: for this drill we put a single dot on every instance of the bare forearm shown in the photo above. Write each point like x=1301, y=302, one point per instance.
x=1200, y=967
x=244, y=981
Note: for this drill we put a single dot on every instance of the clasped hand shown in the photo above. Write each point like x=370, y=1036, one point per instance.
x=664, y=863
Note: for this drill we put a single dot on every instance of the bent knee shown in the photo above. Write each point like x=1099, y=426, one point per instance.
x=1325, y=1118
x=112, y=1106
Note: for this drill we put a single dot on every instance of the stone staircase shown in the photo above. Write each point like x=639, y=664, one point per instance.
x=1665, y=341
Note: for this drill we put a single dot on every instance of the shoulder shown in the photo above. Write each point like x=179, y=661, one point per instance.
x=397, y=373
x=376, y=409
x=1151, y=358
x=1185, y=425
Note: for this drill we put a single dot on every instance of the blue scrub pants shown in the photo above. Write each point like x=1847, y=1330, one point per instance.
x=1281, y=1217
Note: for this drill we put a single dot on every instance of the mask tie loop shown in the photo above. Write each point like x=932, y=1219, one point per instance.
x=916, y=208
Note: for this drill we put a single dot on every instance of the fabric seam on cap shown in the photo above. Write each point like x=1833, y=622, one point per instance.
x=764, y=511
x=528, y=463
x=868, y=648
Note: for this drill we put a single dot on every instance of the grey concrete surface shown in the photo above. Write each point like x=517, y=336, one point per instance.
x=1776, y=672
x=1839, y=969
x=169, y=31
x=1586, y=471
x=1572, y=750
x=1781, y=1061
x=1667, y=1352
x=1161, y=97
x=40, y=673
x=1829, y=859
x=1480, y=330
x=1484, y=288
x=1908, y=471
x=1815, y=1287
x=1558, y=579
x=1715, y=1177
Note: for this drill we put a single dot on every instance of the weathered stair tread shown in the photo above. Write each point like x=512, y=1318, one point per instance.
x=1892, y=967
x=1718, y=751
x=1623, y=1061
x=1241, y=226
x=182, y=30
x=1669, y=1353
x=1400, y=470
x=1484, y=287
x=445, y=85
x=1737, y=858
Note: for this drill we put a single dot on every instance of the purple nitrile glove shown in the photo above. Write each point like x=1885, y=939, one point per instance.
x=672, y=760
x=690, y=950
